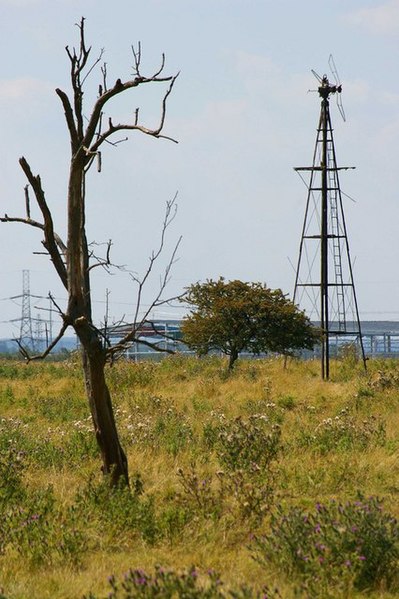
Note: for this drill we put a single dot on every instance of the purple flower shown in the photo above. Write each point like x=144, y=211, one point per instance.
x=317, y=528
x=348, y=563
x=362, y=558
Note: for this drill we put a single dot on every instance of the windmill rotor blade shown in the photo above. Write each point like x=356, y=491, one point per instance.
x=319, y=79
x=340, y=106
x=333, y=69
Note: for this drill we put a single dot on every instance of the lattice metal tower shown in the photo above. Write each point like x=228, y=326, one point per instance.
x=324, y=285
x=25, y=331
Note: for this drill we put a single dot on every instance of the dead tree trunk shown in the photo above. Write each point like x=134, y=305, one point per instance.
x=113, y=457
x=73, y=261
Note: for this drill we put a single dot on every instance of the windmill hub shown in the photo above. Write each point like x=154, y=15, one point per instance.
x=326, y=88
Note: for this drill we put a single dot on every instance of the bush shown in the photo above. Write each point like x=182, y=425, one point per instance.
x=120, y=510
x=351, y=545
x=251, y=444
x=243, y=486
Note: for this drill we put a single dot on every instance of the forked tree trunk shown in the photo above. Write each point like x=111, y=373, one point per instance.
x=113, y=457
x=72, y=260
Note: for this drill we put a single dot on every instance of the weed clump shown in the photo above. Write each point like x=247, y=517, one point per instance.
x=244, y=483
x=169, y=584
x=334, y=547
x=31, y=523
x=344, y=432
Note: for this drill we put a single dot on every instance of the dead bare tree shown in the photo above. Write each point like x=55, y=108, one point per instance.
x=74, y=260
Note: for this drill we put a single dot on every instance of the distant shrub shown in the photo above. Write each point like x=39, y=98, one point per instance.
x=347, y=546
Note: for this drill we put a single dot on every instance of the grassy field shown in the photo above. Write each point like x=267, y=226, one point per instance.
x=265, y=483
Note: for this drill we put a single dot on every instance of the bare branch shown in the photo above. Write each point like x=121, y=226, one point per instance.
x=22, y=350
x=106, y=316
x=135, y=337
x=159, y=331
x=25, y=221
x=49, y=348
x=118, y=88
x=104, y=74
x=155, y=255
x=27, y=201
x=37, y=225
x=49, y=237
x=78, y=62
x=135, y=126
x=93, y=66
x=130, y=336
x=161, y=68
x=104, y=262
x=69, y=119
x=163, y=115
x=137, y=62
x=62, y=314
x=153, y=346
x=137, y=59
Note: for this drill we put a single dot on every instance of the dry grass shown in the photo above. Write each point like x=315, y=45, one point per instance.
x=49, y=400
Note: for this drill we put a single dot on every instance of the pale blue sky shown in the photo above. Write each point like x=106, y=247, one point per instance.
x=243, y=118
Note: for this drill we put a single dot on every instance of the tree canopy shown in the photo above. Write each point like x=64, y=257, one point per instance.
x=233, y=316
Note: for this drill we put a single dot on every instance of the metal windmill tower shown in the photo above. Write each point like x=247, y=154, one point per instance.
x=324, y=284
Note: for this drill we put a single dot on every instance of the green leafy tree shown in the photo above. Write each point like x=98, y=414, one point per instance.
x=235, y=316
